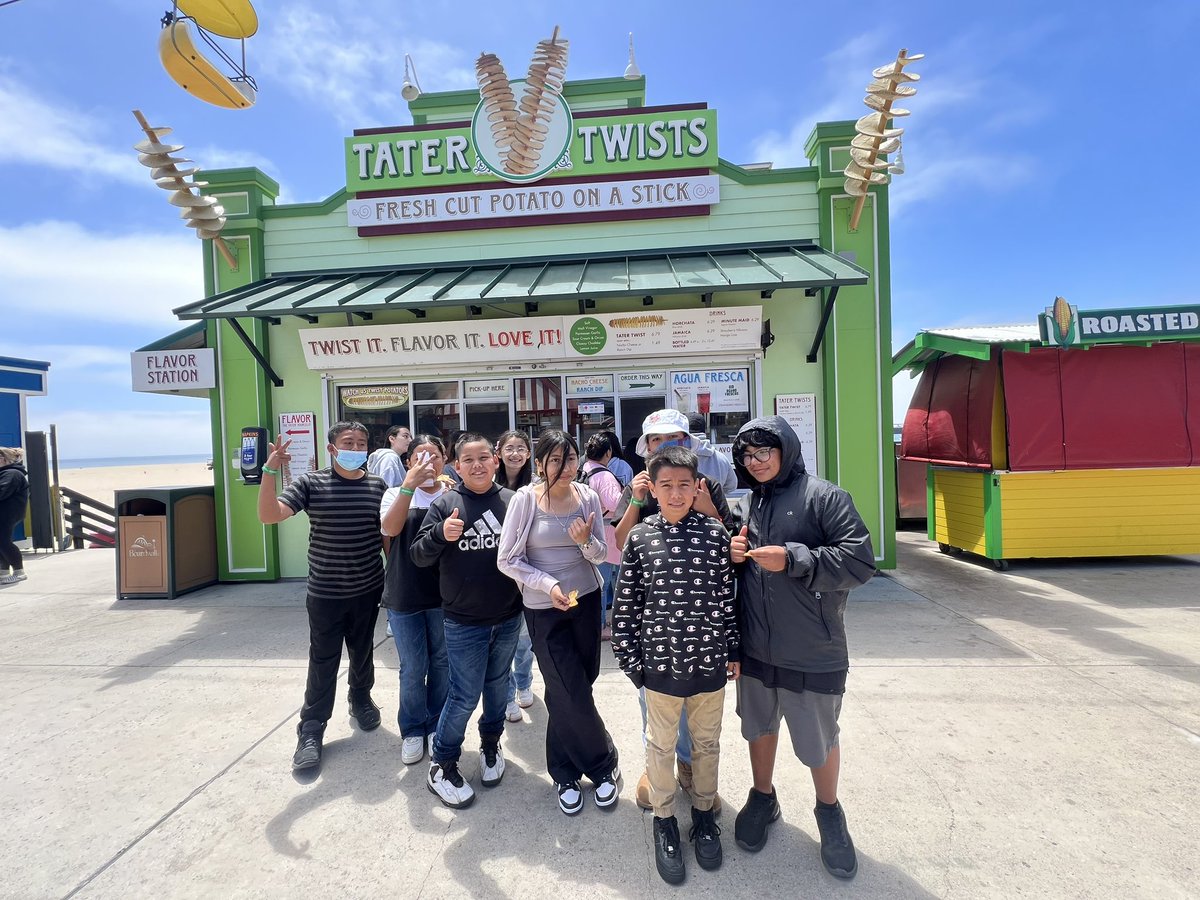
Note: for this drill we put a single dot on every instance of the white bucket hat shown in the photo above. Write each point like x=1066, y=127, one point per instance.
x=663, y=421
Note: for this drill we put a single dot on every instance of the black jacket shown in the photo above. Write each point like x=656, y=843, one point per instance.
x=473, y=589
x=14, y=493
x=794, y=619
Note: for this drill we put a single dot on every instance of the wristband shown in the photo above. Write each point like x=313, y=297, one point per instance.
x=636, y=502
x=406, y=491
x=267, y=470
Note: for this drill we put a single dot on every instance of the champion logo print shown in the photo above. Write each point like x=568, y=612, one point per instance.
x=483, y=535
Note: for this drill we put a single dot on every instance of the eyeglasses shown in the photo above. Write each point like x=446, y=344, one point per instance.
x=760, y=455
x=515, y=451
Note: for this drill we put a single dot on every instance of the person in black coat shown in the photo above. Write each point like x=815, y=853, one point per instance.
x=14, y=498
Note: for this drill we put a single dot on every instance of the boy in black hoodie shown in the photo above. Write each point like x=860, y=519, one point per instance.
x=675, y=633
x=482, y=610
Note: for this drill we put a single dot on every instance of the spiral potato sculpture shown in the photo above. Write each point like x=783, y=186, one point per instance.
x=874, y=139
x=520, y=129
x=498, y=100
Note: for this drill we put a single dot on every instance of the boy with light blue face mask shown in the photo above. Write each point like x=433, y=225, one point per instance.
x=345, y=575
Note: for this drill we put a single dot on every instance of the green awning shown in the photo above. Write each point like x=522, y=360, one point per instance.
x=706, y=271
x=975, y=342
x=191, y=337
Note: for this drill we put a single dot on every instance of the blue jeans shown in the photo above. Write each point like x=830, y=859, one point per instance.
x=521, y=677
x=683, y=743
x=424, y=673
x=480, y=658
x=608, y=572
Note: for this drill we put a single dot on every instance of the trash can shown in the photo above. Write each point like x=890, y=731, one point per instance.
x=166, y=541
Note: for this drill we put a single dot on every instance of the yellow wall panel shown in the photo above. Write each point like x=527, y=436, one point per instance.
x=1100, y=512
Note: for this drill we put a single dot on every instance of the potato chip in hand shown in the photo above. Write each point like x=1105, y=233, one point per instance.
x=572, y=599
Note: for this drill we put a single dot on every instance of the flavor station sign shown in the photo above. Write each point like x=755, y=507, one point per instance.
x=549, y=338
x=161, y=371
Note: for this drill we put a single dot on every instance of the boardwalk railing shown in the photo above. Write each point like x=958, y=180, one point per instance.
x=87, y=519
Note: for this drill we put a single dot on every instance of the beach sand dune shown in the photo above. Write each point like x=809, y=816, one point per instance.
x=102, y=483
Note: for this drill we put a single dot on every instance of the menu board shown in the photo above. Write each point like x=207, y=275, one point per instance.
x=800, y=411
x=301, y=429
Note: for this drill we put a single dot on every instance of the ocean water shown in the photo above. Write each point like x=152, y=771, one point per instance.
x=99, y=462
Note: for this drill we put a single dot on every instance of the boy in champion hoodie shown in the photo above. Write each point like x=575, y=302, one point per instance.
x=804, y=546
x=482, y=613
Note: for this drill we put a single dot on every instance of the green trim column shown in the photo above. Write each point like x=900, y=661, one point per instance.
x=993, y=530
x=246, y=549
x=856, y=354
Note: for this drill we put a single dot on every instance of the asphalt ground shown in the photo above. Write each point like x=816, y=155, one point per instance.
x=1031, y=733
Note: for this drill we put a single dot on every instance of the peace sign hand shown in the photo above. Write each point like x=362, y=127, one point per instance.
x=277, y=453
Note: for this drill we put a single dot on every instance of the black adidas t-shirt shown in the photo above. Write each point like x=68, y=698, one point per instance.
x=345, y=547
x=474, y=591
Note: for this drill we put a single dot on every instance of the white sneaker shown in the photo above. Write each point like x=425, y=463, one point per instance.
x=513, y=711
x=429, y=740
x=570, y=797
x=19, y=576
x=13, y=579
x=451, y=788
x=389, y=630
x=525, y=698
x=491, y=765
x=607, y=790
x=412, y=750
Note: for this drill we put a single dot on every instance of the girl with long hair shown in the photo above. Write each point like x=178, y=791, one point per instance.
x=551, y=543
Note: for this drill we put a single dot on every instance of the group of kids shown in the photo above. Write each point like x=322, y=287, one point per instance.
x=478, y=574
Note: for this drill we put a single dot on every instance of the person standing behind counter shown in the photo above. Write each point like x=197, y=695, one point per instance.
x=345, y=576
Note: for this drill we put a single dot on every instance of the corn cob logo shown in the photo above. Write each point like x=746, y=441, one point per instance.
x=521, y=129
x=1062, y=323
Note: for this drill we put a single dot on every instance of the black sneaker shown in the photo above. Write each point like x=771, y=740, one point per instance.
x=706, y=836
x=570, y=797
x=364, y=710
x=837, y=850
x=750, y=827
x=668, y=854
x=447, y=783
x=308, y=747
x=491, y=763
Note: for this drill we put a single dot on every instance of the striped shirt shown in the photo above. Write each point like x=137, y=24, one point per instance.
x=344, y=543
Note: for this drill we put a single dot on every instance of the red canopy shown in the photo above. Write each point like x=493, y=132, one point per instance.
x=1107, y=407
x=949, y=421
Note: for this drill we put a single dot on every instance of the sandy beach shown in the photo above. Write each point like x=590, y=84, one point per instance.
x=102, y=483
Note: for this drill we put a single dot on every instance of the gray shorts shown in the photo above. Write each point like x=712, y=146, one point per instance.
x=812, y=718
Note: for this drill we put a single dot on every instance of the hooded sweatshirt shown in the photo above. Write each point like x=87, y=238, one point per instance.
x=14, y=493
x=474, y=591
x=712, y=464
x=794, y=619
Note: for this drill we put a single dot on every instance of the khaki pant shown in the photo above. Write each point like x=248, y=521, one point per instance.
x=704, y=714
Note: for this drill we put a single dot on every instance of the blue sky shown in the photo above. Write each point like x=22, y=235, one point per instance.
x=1044, y=154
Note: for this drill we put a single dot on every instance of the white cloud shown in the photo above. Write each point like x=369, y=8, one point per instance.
x=182, y=427
x=350, y=66
x=59, y=269
x=35, y=131
x=843, y=68
x=961, y=173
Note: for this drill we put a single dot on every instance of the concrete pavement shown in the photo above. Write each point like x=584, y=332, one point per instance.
x=1033, y=733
